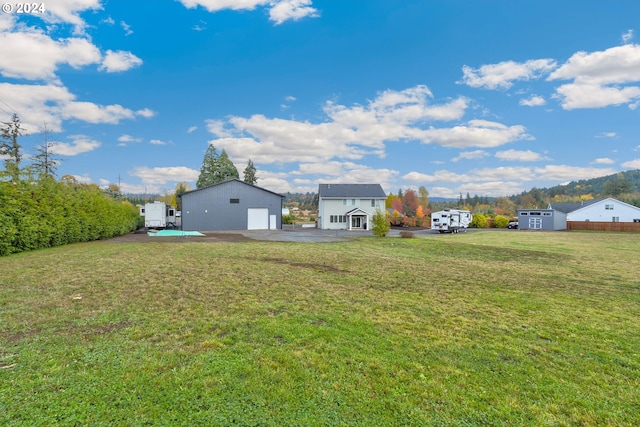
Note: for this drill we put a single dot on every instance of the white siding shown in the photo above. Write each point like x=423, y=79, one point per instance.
x=338, y=207
x=605, y=211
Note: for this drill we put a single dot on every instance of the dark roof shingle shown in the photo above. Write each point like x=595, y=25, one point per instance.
x=351, y=190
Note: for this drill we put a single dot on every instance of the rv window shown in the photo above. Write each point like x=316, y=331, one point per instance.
x=234, y=200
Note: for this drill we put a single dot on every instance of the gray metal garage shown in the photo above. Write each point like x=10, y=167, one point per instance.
x=231, y=205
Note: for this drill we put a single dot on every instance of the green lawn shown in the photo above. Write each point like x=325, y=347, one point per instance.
x=477, y=329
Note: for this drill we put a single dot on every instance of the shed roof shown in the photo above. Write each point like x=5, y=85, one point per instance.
x=351, y=191
x=228, y=181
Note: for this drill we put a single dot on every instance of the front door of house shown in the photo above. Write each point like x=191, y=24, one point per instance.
x=535, y=223
x=356, y=222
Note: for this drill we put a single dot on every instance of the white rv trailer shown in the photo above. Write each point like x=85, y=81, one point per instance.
x=450, y=220
x=159, y=215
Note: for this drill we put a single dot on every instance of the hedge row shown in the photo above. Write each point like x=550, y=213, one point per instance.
x=50, y=213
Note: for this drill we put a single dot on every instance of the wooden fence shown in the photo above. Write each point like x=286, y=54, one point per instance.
x=603, y=226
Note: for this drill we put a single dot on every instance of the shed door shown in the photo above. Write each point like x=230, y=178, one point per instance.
x=535, y=223
x=257, y=219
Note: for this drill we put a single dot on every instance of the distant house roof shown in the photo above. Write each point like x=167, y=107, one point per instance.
x=227, y=181
x=570, y=207
x=351, y=191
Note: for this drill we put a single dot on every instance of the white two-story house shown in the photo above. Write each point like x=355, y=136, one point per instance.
x=349, y=206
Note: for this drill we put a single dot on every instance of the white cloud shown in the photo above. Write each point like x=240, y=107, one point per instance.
x=290, y=98
x=279, y=10
x=285, y=10
x=192, y=129
x=627, y=37
x=350, y=133
x=217, y=5
x=117, y=61
x=470, y=155
x=52, y=104
x=68, y=11
x=607, y=135
x=80, y=144
x=162, y=175
x=45, y=54
x=158, y=142
x=632, y=164
x=520, y=156
x=570, y=173
x=584, y=95
x=127, y=28
x=603, y=161
x=146, y=113
x=533, y=101
x=124, y=138
x=503, y=74
x=478, y=133
x=502, y=180
x=593, y=75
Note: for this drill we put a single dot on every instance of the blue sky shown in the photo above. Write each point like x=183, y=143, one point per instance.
x=481, y=97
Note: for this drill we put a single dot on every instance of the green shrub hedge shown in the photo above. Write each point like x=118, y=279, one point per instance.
x=50, y=213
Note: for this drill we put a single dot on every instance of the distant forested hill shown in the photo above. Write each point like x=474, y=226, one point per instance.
x=624, y=186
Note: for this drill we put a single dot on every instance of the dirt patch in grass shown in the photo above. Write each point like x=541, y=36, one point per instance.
x=315, y=266
x=85, y=331
x=208, y=237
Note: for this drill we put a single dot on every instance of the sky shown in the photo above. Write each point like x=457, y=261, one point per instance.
x=490, y=98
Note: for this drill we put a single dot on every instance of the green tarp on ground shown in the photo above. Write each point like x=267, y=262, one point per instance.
x=173, y=233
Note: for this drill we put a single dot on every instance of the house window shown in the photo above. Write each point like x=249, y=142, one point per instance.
x=524, y=213
x=616, y=219
x=373, y=203
x=608, y=207
x=547, y=214
x=344, y=202
x=234, y=200
x=332, y=218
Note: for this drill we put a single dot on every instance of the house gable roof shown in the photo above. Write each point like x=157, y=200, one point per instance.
x=346, y=191
x=229, y=181
x=570, y=207
x=357, y=211
x=608, y=199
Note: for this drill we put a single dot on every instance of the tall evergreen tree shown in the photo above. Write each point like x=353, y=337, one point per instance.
x=250, y=174
x=10, y=147
x=210, y=165
x=226, y=169
x=45, y=162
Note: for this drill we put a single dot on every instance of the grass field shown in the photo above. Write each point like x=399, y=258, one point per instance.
x=477, y=329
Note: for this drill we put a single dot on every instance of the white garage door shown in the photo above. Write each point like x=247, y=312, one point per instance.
x=257, y=219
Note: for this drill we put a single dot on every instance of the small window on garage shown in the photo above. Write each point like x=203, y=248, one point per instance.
x=234, y=200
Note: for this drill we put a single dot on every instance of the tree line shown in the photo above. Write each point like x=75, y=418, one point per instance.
x=37, y=211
